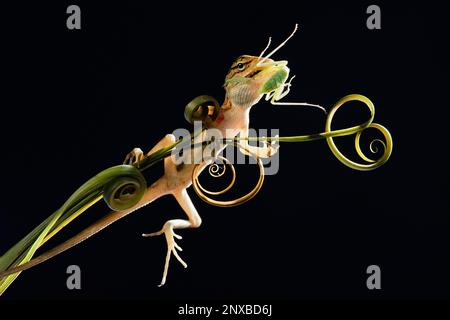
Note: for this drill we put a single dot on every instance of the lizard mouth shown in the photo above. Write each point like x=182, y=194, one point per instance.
x=268, y=67
x=254, y=73
x=271, y=74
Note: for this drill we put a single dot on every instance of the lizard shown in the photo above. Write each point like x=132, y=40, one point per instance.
x=248, y=80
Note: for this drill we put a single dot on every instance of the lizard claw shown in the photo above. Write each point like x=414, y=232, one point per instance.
x=134, y=157
x=271, y=148
x=172, y=248
x=274, y=145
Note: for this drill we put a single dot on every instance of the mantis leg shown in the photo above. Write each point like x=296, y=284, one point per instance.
x=283, y=91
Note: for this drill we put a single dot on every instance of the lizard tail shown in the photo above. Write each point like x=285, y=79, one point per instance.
x=123, y=187
x=153, y=192
x=83, y=235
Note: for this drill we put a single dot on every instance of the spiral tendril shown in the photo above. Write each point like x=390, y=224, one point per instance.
x=214, y=170
x=329, y=134
x=125, y=189
x=387, y=145
x=201, y=191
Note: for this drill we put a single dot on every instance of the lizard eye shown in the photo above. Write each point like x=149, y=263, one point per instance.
x=240, y=66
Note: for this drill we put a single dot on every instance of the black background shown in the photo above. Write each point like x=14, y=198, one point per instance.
x=75, y=102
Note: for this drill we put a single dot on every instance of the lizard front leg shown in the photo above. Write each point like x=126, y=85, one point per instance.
x=268, y=150
x=137, y=155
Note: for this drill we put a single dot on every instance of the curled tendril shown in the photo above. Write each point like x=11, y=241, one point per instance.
x=201, y=191
x=214, y=170
x=373, y=147
x=125, y=189
x=202, y=108
x=329, y=134
x=387, y=145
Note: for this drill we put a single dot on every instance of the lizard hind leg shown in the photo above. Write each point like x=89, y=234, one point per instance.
x=168, y=230
x=172, y=246
x=176, y=185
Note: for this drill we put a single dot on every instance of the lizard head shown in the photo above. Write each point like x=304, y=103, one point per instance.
x=248, y=79
x=251, y=77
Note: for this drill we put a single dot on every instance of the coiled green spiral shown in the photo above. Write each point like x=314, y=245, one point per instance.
x=125, y=189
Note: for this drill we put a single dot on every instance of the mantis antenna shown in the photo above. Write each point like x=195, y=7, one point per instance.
x=267, y=47
x=277, y=95
x=277, y=48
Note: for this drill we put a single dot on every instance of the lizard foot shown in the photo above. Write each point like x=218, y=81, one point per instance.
x=268, y=149
x=271, y=147
x=134, y=157
x=172, y=247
